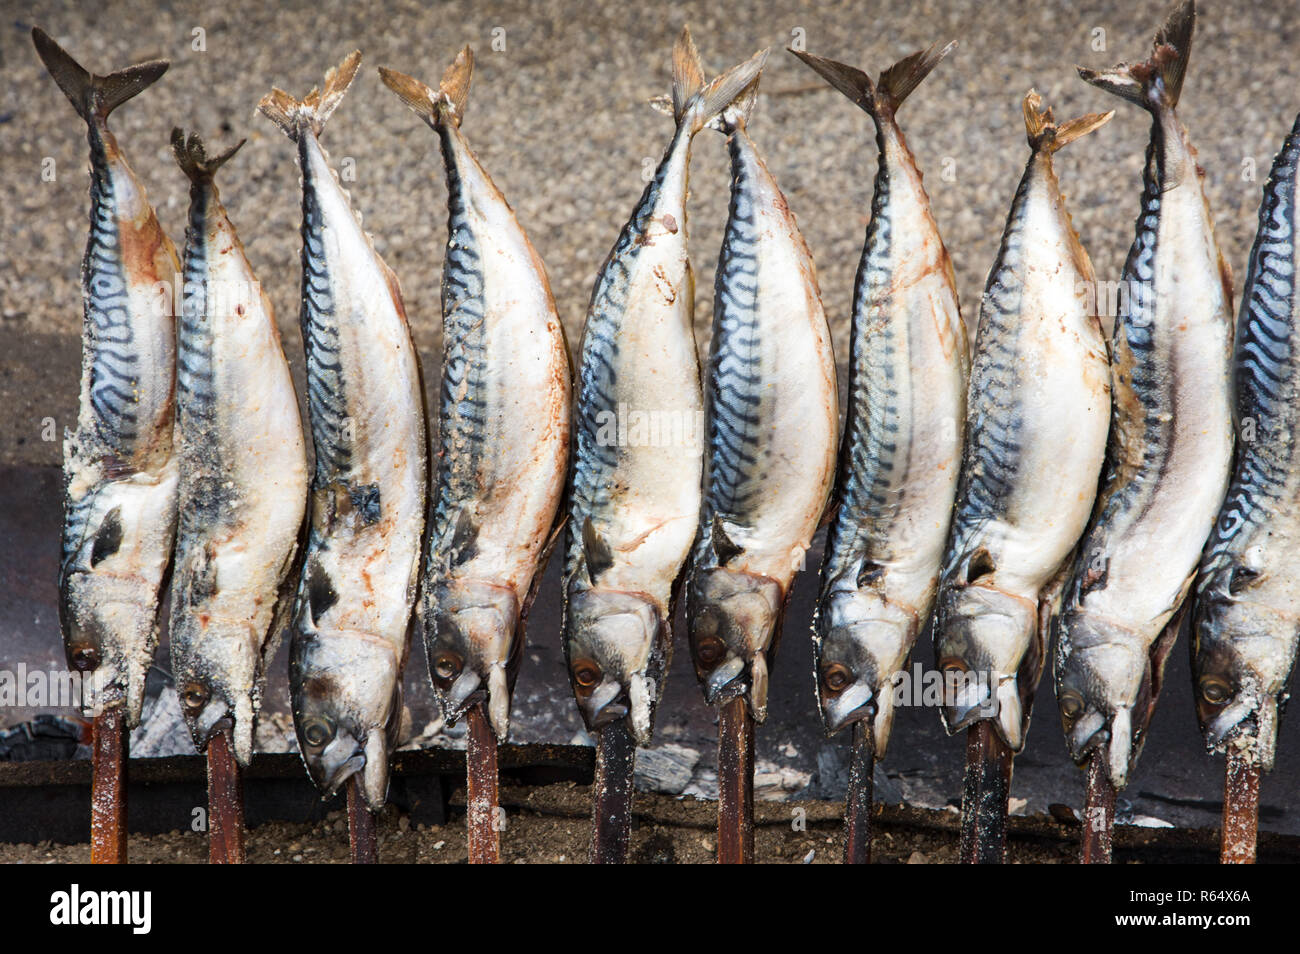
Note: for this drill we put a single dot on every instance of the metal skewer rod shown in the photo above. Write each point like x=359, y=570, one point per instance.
x=225, y=803
x=1098, y=813
x=362, y=839
x=110, y=744
x=858, y=806
x=735, y=783
x=612, y=818
x=481, y=793
x=1240, y=811
x=984, y=796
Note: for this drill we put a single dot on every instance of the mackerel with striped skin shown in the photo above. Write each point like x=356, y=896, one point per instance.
x=1170, y=447
x=354, y=609
x=120, y=465
x=1246, y=625
x=771, y=420
x=902, y=441
x=634, y=495
x=1038, y=412
x=243, y=462
x=503, y=424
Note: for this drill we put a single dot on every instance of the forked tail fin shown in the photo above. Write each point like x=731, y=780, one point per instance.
x=94, y=97
x=446, y=104
x=1043, y=131
x=312, y=111
x=193, y=159
x=1157, y=81
x=882, y=98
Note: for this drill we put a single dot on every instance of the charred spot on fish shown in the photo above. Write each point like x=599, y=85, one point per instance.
x=108, y=538
x=447, y=666
x=586, y=674
x=321, y=594
x=836, y=677
x=365, y=501
x=980, y=565
x=1072, y=705
x=1241, y=578
x=194, y=696
x=869, y=573
x=595, y=550
x=464, y=537
x=670, y=223
x=1215, y=690
x=318, y=733
x=724, y=547
x=203, y=577
x=84, y=658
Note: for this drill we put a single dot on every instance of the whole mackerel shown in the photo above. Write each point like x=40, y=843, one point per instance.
x=771, y=420
x=1170, y=448
x=120, y=465
x=635, y=490
x=1038, y=412
x=354, y=609
x=243, y=490
x=503, y=424
x=902, y=441
x=1246, y=625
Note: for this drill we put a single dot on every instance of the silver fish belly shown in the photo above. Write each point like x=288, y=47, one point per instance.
x=352, y=619
x=120, y=466
x=243, y=463
x=771, y=422
x=504, y=420
x=634, y=495
x=901, y=451
x=1246, y=624
x=1170, y=445
x=1037, y=418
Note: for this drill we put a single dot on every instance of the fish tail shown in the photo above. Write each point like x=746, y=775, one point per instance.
x=1043, y=131
x=1155, y=83
x=698, y=104
x=446, y=104
x=312, y=111
x=881, y=99
x=193, y=159
x=94, y=97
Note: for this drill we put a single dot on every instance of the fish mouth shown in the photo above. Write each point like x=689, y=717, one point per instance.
x=855, y=704
x=470, y=689
x=606, y=705
x=725, y=682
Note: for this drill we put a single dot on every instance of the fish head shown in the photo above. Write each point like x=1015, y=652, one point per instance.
x=982, y=636
x=862, y=642
x=1243, y=651
x=733, y=618
x=216, y=667
x=616, y=644
x=471, y=637
x=346, y=691
x=1100, y=671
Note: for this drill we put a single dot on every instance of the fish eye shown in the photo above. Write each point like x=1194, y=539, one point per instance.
x=1214, y=690
x=953, y=664
x=586, y=673
x=1072, y=704
x=835, y=677
x=318, y=732
x=710, y=650
x=195, y=696
x=447, y=666
x=1241, y=578
x=85, y=658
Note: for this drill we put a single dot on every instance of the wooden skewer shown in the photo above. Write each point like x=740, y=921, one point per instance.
x=612, y=819
x=858, y=805
x=110, y=748
x=225, y=803
x=481, y=788
x=1098, y=813
x=362, y=839
x=984, y=796
x=1240, y=811
x=735, y=783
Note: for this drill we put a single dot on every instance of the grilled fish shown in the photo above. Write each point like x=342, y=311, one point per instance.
x=902, y=441
x=243, y=485
x=634, y=495
x=1038, y=411
x=120, y=465
x=1246, y=625
x=354, y=608
x=771, y=421
x=1170, y=447
x=503, y=424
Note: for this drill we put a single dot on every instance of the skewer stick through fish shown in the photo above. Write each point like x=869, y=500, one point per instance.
x=355, y=604
x=633, y=501
x=225, y=802
x=1171, y=436
x=503, y=434
x=902, y=440
x=120, y=467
